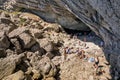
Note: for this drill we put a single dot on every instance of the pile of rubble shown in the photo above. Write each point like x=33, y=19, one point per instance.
x=32, y=49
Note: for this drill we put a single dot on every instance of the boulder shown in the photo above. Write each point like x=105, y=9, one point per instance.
x=36, y=74
x=8, y=65
x=2, y=53
x=52, y=27
x=46, y=67
x=26, y=40
x=16, y=76
x=46, y=44
x=33, y=57
x=4, y=42
x=37, y=33
x=7, y=25
x=9, y=52
x=35, y=47
x=50, y=55
x=17, y=32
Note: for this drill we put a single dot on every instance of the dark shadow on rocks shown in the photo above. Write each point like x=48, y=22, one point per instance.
x=22, y=66
x=86, y=36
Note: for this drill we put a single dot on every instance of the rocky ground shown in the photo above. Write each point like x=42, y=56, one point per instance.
x=32, y=49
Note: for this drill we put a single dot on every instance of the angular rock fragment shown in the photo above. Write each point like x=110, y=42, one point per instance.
x=36, y=74
x=27, y=41
x=16, y=76
x=17, y=32
x=50, y=55
x=37, y=33
x=9, y=52
x=46, y=44
x=8, y=64
x=7, y=25
x=46, y=67
x=4, y=42
x=35, y=47
x=16, y=43
x=2, y=53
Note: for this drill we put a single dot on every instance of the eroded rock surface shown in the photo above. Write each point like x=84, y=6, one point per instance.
x=38, y=50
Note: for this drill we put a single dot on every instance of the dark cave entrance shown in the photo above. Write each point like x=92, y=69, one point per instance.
x=86, y=36
x=80, y=32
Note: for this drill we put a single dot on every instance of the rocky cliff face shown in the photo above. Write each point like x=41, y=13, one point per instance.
x=51, y=11
x=32, y=49
x=103, y=17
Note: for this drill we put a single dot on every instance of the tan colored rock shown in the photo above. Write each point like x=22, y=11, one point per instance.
x=46, y=44
x=52, y=27
x=8, y=65
x=50, y=78
x=17, y=32
x=46, y=67
x=16, y=76
x=27, y=40
x=30, y=16
x=36, y=33
x=36, y=74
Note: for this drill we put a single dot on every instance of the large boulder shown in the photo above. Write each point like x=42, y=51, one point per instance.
x=46, y=67
x=8, y=65
x=27, y=41
x=16, y=76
